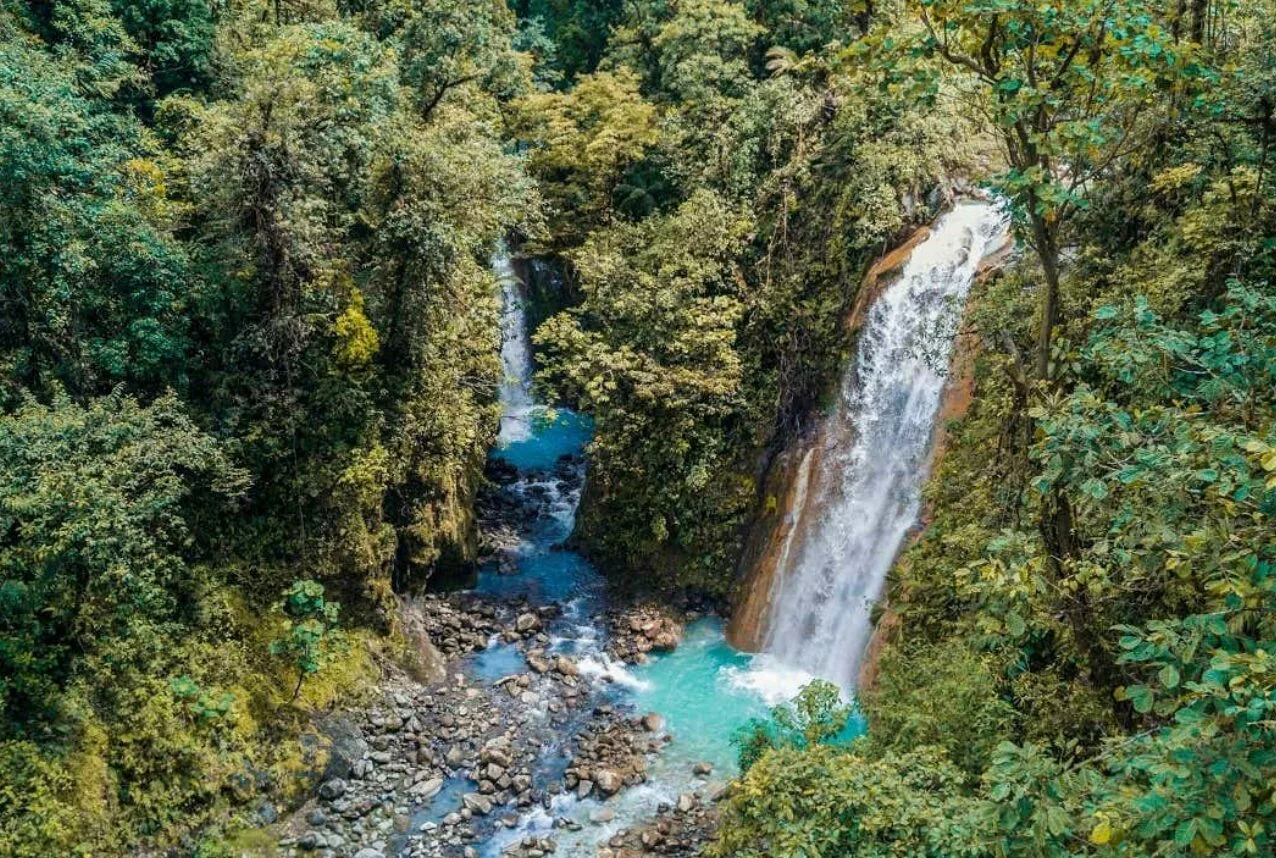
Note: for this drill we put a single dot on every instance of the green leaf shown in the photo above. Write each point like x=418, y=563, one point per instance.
x=1141, y=697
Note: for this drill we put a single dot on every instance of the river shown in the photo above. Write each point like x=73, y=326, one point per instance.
x=866, y=499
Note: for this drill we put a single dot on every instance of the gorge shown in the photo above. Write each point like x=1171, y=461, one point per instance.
x=857, y=511
x=637, y=429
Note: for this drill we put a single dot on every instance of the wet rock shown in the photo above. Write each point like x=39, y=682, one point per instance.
x=652, y=722
x=686, y=802
x=566, y=667
x=608, y=781
x=527, y=623
x=642, y=629
x=477, y=803
x=426, y=789
x=583, y=789
x=369, y=853
x=602, y=815
x=703, y=769
x=496, y=754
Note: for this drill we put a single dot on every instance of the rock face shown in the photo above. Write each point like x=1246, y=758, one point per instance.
x=777, y=527
x=425, y=663
x=791, y=480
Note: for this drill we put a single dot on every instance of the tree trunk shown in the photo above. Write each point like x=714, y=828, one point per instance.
x=1048, y=252
x=1200, y=14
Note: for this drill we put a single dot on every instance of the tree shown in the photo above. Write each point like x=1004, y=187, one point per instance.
x=92, y=287
x=176, y=38
x=447, y=45
x=651, y=354
x=827, y=800
x=581, y=144
x=310, y=630
x=817, y=715
x=95, y=543
x=1068, y=85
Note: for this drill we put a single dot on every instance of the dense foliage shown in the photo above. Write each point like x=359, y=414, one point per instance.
x=248, y=335
x=716, y=212
x=1080, y=660
x=249, y=371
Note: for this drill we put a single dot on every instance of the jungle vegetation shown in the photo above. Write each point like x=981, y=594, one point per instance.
x=249, y=372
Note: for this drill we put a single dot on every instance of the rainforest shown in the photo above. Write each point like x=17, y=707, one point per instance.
x=621, y=428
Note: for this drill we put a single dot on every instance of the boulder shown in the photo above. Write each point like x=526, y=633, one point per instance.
x=332, y=789
x=427, y=788
x=608, y=781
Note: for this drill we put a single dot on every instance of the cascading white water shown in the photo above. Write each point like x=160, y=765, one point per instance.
x=873, y=470
x=516, y=354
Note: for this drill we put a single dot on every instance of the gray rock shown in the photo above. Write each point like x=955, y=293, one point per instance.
x=427, y=788
x=584, y=788
x=347, y=745
x=333, y=789
x=686, y=802
x=477, y=803
x=702, y=769
x=527, y=623
x=369, y=853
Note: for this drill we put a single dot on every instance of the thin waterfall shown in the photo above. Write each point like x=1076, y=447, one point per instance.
x=869, y=491
x=516, y=353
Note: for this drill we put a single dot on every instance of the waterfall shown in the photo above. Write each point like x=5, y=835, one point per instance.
x=516, y=354
x=868, y=492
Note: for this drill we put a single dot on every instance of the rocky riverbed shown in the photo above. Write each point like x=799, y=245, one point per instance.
x=440, y=769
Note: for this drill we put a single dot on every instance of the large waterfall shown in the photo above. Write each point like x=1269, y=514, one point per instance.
x=516, y=353
x=866, y=495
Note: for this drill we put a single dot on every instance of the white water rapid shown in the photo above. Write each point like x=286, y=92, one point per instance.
x=516, y=354
x=875, y=464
